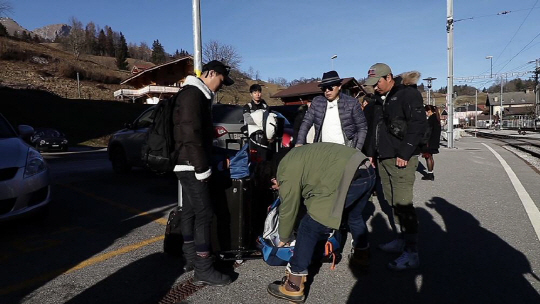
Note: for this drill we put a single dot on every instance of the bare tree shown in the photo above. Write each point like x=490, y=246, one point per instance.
x=214, y=50
x=76, y=37
x=146, y=51
x=5, y=7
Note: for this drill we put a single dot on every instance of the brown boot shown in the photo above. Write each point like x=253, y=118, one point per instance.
x=359, y=258
x=291, y=288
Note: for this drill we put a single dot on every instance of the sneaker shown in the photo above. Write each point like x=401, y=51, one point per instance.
x=359, y=258
x=408, y=260
x=395, y=246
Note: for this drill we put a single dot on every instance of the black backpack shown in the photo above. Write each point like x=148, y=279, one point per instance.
x=158, y=153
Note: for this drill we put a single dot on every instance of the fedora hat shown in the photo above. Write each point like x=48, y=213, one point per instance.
x=330, y=79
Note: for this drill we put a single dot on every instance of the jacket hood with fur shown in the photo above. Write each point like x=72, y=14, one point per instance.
x=197, y=82
x=410, y=78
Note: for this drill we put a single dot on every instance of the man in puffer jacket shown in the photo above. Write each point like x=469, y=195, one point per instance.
x=193, y=135
x=337, y=118
x=397, y=138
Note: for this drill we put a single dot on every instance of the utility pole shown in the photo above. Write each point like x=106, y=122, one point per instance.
x=197, y=53
x=502, y=109
x=536, y=93
x=450, y=88
x=429, y=80
x=476, y=111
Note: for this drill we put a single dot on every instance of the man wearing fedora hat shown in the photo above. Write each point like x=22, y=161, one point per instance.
x=398, y=133
x=337, y=117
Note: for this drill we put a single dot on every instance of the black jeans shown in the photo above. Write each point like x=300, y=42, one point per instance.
x=197, y=211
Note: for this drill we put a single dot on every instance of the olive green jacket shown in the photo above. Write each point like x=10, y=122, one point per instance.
x=321, y=174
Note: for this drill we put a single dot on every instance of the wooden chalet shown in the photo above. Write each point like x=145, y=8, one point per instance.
x=154, y=83
x=305, y=92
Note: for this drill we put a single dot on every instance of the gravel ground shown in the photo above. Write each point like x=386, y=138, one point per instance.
x=535, y=162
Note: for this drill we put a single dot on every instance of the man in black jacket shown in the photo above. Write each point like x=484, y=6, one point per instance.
x=396, y=139
x=193, y=136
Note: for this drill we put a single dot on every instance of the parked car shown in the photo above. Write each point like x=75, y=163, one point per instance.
x=46, y=139
x=125, y=145
x=24, y=175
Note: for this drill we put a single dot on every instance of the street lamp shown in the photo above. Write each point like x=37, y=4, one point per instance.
x=429, y=80
x=332, y=59
x=491, y=64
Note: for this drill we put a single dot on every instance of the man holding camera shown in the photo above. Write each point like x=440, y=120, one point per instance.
x=397, y=138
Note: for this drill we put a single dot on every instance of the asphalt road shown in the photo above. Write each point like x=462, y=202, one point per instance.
x=102, y=242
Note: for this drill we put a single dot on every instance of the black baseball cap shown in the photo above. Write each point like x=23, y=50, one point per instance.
x=220, y=68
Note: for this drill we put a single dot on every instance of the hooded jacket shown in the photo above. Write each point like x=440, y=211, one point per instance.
x=193, y=130
x=403, y=103
x=353, y=121
x=321, y=173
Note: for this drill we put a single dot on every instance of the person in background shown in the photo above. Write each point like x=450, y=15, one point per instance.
x=336, y=117
x=335, y=182
x=302, y=110
x=398, y=134
x=256, y=103
x=432, y=146
x=193, y=135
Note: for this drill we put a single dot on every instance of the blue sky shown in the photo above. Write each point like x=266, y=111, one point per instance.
x=296, y=38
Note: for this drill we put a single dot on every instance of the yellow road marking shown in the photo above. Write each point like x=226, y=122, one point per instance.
x=96, y=259
x=86, y=263
x=132, y=210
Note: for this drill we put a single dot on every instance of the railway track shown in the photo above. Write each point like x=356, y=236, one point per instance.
x=527, y=145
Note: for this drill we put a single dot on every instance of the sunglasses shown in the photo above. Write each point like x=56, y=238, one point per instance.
x=330, y=88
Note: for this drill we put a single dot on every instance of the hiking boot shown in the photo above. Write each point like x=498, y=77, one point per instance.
x=408, y=260
x=429, y=176
x=395, y=246
x=206, y=274
x=290, y=288
x=189, y=256
x=359, y=258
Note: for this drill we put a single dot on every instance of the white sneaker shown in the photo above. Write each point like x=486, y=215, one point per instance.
x=408, y=260
x=395, y=246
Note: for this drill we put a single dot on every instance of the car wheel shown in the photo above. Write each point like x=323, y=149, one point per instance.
x=119, y=161
x=64, y=149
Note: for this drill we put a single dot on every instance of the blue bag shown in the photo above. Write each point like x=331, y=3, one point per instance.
x=280, y=256
x=239, y=165
x=273, y=255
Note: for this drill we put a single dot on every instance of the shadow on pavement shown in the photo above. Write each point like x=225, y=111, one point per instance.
x=144, y=281
x=464, y=264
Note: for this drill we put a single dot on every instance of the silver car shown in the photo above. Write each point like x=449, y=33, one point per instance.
x=24, y=175
x=125, y=146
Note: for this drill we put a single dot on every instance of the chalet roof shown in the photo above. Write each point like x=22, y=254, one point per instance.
x=151, y=69
x=512, y=98
x=470, y=108
x=310, y=88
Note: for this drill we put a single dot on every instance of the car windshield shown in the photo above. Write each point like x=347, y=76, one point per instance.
x=6, y=131
x=227, y=114
x=48, y=133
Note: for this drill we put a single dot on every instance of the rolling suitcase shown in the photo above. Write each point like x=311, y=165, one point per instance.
x=233, y=237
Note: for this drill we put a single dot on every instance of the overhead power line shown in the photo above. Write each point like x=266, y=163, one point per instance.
x=511, y=39
x=497, y=14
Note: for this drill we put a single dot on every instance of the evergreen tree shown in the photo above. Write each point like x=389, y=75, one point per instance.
x=109, y=45
x=158, y=53
x=102, y=43
x=122, y=53
x=90, y=39
x=3, y=31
